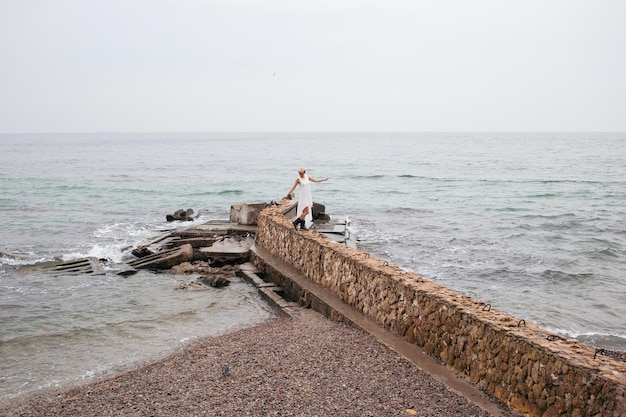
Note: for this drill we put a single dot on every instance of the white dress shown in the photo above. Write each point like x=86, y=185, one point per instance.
x=305, y=199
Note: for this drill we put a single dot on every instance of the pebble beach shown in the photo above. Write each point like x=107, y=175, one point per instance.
x=306, y=365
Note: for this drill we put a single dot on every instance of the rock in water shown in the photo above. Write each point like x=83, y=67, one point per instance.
x=216, y=281
x=142, y=251
x=181, y=215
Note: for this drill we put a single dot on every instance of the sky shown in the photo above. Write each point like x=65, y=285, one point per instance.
x=312, y=65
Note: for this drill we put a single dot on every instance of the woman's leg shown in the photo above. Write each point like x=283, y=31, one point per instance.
x=304, y=213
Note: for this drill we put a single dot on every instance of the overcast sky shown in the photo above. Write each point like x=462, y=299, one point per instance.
x=312, y=65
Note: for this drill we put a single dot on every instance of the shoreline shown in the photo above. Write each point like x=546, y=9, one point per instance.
x=307, y=365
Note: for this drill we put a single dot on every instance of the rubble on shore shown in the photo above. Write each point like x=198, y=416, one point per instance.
x=207, y=252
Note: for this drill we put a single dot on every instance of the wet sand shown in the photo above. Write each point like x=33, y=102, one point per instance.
x=303, y=366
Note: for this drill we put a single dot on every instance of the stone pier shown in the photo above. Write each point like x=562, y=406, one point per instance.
x=527, y=367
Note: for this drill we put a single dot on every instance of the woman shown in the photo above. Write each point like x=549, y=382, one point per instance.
x=304, y=215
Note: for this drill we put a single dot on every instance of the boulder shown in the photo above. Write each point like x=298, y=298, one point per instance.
x=141, y=251
x=317, y=209
x=181, y=215
x=216, y=281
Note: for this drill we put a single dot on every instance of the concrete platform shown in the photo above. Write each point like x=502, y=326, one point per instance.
x=226, y=249
x=215, y=228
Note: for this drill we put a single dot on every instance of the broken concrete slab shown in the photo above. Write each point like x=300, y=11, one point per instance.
x=156, y=239
x=195, y=242
x=246, y=214
x=165, y=259
x=125, y=270
x=215, y=228
x=9, y=256
x=231, y=248
x=80, y=266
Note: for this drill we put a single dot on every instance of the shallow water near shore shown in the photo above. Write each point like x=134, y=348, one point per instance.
x=531, y=223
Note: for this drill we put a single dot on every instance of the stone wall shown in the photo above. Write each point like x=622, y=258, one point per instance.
x=529, y=368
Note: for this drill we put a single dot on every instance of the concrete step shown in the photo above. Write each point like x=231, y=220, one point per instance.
x=272, y=293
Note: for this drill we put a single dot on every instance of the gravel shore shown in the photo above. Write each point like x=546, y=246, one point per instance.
x=304, y=366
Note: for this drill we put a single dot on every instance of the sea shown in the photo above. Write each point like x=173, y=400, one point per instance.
x=532, y=223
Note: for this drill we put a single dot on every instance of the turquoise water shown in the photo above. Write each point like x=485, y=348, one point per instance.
x=531, y=223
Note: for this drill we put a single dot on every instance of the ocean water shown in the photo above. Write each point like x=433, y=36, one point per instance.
x=531, y=223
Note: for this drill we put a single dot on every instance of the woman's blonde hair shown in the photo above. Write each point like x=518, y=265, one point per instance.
x=301, y=170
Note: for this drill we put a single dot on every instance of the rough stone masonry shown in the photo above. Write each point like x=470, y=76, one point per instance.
x=535, y=371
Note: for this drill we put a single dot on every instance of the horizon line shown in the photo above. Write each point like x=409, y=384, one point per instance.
x=299, y=132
